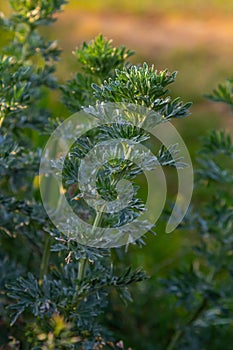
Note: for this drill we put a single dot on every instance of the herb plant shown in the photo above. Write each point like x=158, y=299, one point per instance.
x=54, y=290
x=202, y=290
x=55, y=300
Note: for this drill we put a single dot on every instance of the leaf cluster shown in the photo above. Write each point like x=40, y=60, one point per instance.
x=98, y=60
x=223, y=93
x=202, y=290
x=142, y=85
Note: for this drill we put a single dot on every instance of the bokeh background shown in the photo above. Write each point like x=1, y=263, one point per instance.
x=193, y=37
x=196, y=39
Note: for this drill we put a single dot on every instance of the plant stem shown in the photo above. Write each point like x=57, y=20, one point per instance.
x=83, y=261
x=45, y=257
x=82, y=268
x=177, y=335
x=97, y=220
x=180, y=332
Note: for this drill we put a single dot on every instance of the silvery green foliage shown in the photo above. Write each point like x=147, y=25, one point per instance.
x=43, y=291
x=51, y=305
x=98, y=60
x=203, y=290
x=143, y=85
x=223, y=93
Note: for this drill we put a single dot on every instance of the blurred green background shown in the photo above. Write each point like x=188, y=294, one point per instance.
x=193, y=37
x=196, y=39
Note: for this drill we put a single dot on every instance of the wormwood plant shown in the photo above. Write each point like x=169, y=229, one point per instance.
x=203, y=290
x=55, y=300
x=192, y=307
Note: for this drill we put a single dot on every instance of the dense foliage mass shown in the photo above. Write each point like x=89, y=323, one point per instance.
x=55, y=291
